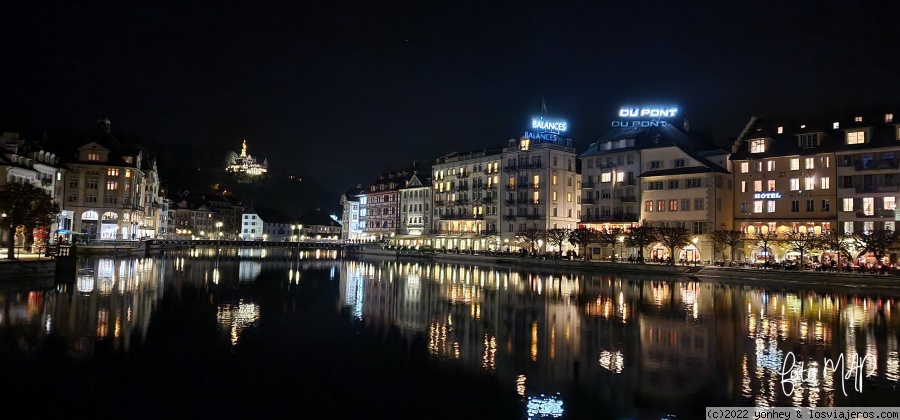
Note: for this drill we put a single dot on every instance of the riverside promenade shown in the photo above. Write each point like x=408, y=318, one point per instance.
x=883, y=283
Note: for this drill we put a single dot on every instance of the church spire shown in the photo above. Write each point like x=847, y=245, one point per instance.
x=244, y=149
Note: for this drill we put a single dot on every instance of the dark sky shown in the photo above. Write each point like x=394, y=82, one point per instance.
x=338, y=91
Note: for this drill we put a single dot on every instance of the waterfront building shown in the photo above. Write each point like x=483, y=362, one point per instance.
x=26, y=162
x=318, y=224
x=685, y=182
x=251, y=225
x=193, y=217
x=165, y=218
x=541, y=184
x=868, y=172
x=277, y=225
x=379, y=206
x=466, y=210
x=415, y=205
x=609, y=179
x=350, y=226
x=226, y=210
x=105, y=188
x=785, y=179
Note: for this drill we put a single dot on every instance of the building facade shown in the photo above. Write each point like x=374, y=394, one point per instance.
x=610, y=189
x=379, y=207
x=415, y=206
x=350, y=222
x=466, y=211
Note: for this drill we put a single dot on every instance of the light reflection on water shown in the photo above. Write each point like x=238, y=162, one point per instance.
x=619, y=338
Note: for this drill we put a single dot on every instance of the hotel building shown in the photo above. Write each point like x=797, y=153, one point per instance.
x=415, y=206
x=466, y=212
x=868, y=172
x=785, y=178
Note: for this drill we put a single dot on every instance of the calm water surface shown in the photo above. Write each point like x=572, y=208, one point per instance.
x=577, y=344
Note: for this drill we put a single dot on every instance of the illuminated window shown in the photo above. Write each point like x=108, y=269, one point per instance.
x=743, y=186
x=673, y=205
x=537, y=181
x=620, y=176
x=889, y=226
x=771, y=186
x=111, y=185
x=810, y=183
x=758, y=146
x=795, y=184
x=869, y=206
x=93, y=157
x=857, y=119
x=848, y=204
x=770, y=206
x=770, y=165
x=648, y=205
x=661, y=205
x=128, y=173
x=780, y=130
x=553, y=180
x=112, y=172
x=890, y=203
x=888, y=118
x=553, y=195
x=757, y=186
x=825, y=182
x=856, y=137
x=569, y=197
x=795, y=164
x=758, y=206
x=537, y=197
x=836, y=125
x=745, y=167
x=523, y=144
x=824, y=162
x=809, y=163
x=606, y=177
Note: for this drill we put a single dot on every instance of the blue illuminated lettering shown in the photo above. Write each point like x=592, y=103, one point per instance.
x=647, y=112
x=540, y=124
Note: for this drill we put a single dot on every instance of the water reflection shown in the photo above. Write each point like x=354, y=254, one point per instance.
x=624, y=343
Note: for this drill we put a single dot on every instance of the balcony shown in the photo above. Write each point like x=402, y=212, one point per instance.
x=487, y=200
x=533, y=216
x=462, y=188
x=509, y=217
x=588, y=201
x=625, y=183
x=439, y=202
x=489, y=186
x=461, y=202
x=871, y=165
x=877, y=189
x=461, y=175
x=536, y=185
x=478, y=217
x=628, y=199
x=615, y=217
x=510, y=168
x=523, y=201
x=590, y=184
x=523, y=186
x=535, y=201
x=488, y=232
x=510, y=202
x=877, y=214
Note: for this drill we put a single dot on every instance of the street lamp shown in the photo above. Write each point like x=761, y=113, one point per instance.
x=293, y=236
x=218, y=228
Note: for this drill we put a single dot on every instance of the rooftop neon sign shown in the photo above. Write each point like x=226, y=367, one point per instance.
x=541, y=124
x=627, y=112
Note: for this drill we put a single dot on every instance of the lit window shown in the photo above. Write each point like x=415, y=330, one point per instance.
x=856, y=137
x=888, y=118
x=537, y=197
x=825, y=161
x=810, y=183
x=93, y=156
x=780, y=130
x=569, y=197
x=758, y=206
x=111, y=185
x=826, y=205
x=771, y=186
x=825, y=183
x=890, y=203
x=537, y=181
x=795, y=184
x=770, y=165
x=757, y=186
x=112, y=172
x=673, y=205
x=809, y=163
x=795, y=164
x=770, y=206
x=553, y=180
x=848, y=204
x=758, y=146
x=661, y=205
x=836, y=125
x=869, y=206
x=745, y=167
x=648, y=205
x=743, y=186
x=554, y=195
x=606, y=177
x=857, y=119
x=889, y=226
x=128, y=173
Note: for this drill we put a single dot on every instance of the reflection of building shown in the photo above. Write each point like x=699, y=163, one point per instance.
x=246, y=166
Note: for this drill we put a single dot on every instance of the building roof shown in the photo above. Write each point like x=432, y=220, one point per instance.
x=681, y=171
x=317, y=218
x=270, y=215
x=831, y=140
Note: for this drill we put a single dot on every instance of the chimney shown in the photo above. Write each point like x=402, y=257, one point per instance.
x=687, y=125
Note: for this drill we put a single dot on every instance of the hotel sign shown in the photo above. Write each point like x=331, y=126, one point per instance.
x=546, y=130
x=644, y=117
x=767, y=196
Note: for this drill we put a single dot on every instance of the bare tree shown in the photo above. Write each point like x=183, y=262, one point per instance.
x=533, y=235
x=833, y=240
x=672, y=238
x=557, y=237
x=801, y=242
x=764, y=240
x=878, y=242
x=26, y=206
x=581, y=237
x=640, y=237
x=729, y=238
x=609, y=237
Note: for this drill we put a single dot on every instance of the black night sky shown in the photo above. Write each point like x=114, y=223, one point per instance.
x=338, y=91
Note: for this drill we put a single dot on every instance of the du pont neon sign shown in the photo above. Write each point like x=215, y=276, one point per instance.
x=653, y=117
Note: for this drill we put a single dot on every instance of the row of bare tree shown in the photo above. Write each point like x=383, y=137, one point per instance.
x=879, y=243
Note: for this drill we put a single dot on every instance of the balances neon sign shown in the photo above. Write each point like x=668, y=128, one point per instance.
x=540, y=124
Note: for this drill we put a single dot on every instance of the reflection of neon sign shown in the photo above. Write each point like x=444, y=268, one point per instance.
x=647, y=112
x=769, y=195
x=541, y=136
x=540, y=124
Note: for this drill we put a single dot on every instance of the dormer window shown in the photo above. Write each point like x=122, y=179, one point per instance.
x=758, y=146
x=888, y=118
x=857, y=119
x=856, y=137
x=780, y=130
x=837, y=125
x=809, y=140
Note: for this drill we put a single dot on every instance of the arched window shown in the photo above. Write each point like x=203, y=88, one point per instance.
x=110, y=216
x=126, y=216
x=89, y=215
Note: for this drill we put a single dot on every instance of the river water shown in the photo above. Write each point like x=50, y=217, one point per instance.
x=187, y=332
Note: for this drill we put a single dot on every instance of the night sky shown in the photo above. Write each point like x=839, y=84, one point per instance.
x=338, y=91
